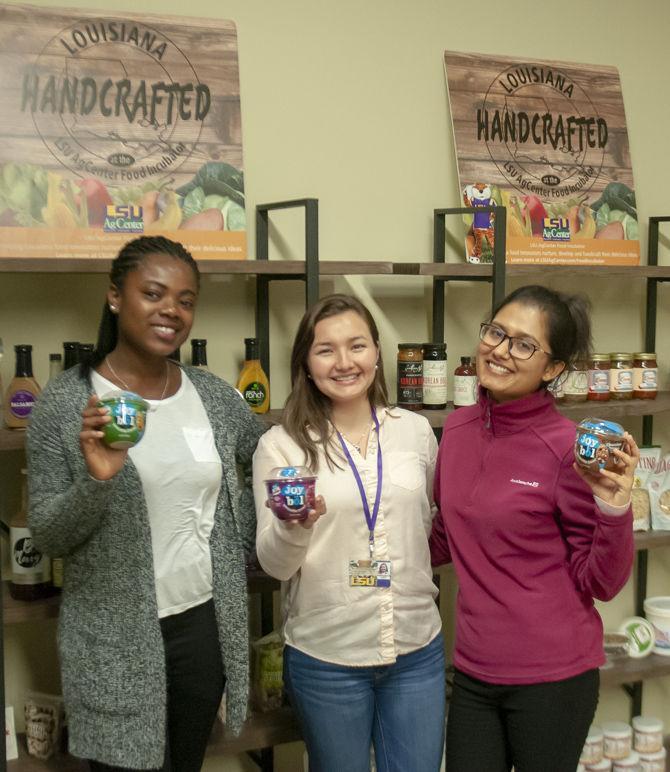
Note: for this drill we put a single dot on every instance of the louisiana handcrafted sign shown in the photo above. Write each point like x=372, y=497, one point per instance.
x=116, y=125
x=548, y=141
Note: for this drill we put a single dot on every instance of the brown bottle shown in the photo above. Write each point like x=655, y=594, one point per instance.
x=199, y=353
x=22, y=390
x=31, y=570
x=465, y=383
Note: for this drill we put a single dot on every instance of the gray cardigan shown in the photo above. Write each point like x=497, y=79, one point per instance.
x=109, y=638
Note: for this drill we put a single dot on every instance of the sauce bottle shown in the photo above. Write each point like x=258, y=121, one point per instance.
x=31, y=571
x=199, y=353
x=253, y=383
x=465, y=383
x=410, y=376
x=70, y=354
x=22, y=391
x=55, y=365
x=434, y=376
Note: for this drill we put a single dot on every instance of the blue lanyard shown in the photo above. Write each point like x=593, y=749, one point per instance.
x=370, y=519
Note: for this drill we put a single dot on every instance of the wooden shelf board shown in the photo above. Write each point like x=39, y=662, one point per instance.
x=60, y=762
x=12, y=439
x=262, y=730
x=16, y=611
x=631, y=670
x=649, y=540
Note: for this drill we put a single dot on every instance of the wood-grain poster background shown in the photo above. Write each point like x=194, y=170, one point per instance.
x=548, y=141
x=116, y=125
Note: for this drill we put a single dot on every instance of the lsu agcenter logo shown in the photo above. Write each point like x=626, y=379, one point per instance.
x=556, y=229
x=125, y=218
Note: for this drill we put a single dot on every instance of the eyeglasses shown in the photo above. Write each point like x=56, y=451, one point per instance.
x=519, y=348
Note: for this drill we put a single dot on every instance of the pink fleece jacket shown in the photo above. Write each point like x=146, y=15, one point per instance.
x=530, y=547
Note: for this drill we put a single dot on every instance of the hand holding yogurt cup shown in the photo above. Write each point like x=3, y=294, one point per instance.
x=292, y=496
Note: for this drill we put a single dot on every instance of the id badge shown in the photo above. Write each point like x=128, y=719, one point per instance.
x=369, y=573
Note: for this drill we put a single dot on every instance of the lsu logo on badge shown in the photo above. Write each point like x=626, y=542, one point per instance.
x=124, y=218
x=556, y=229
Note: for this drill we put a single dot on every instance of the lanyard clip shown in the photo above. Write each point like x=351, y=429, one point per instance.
x=371, y=544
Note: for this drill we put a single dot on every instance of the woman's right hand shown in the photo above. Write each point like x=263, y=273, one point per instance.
x=102, y=461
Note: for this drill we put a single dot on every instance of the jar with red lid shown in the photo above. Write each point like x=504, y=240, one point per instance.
x=645, y=376
x=599, y=377
x=576, y=382
x=410, y=376
x=621, y=376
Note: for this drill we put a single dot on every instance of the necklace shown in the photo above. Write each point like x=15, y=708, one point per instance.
x=359, y=443
x=125, y=385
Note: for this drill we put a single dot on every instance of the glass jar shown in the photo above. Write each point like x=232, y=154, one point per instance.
x=599, y=377
x=434, y=376
x=621, y=376
x=645, y=376
x=465, y=383
x=410, y=376
x=618, y=739
x=576, y=382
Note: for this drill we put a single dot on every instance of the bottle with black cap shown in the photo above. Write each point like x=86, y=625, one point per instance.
x=199, y=352
x=22, y=391
x=70, y=354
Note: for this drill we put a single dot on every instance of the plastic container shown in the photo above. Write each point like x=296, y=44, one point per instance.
x=129, y=419
x=291, y=492
x=595, y=441
x=653, y=762
x=647, y=734
x=593, y=746
x=618, y=740
x=630, y=763
x=605, y=765
x=657, y=611
x=616, y=648
x=640, y=634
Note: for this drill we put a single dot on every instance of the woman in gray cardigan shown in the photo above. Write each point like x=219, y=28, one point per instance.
x=154, y=611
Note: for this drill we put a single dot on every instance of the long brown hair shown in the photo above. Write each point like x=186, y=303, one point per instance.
x=307, y=410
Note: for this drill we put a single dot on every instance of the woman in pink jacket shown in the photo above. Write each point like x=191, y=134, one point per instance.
x=534, y=539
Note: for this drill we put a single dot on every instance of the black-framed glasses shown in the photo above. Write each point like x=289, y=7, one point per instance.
x=520, y=348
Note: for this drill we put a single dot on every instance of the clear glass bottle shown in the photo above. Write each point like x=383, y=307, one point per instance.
x=253, y=383
x=55, y=365
x=434, y=376
x=465, y=383
x=31, y=570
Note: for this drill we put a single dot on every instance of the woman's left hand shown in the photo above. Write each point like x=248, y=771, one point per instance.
x=614, y=487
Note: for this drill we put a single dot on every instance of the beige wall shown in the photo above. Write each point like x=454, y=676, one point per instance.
x=346, y=101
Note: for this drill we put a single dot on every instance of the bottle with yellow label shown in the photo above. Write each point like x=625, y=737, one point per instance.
x=253, y=383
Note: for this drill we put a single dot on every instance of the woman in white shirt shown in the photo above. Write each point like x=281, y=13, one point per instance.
x=364, y=659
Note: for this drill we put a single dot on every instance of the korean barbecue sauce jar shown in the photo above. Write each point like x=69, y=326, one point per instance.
x=434, y=376
x=410, y=376
x=645, y=376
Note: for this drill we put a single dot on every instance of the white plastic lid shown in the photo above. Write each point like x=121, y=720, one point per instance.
x=647, y=724
x=640, y=634
x=617, y=729
x=659, y=605
x=595, y=734
x=632, y=761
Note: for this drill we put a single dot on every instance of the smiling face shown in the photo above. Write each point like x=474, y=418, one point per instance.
x=342, y=358
x=155, y=305
x=505, y=377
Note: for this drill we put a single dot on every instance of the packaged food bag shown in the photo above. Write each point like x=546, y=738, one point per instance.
x=43, y=715
x=646, y=467
x=659, y=495
x=268, y=684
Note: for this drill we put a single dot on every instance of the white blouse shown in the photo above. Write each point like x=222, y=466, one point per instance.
x=325, y=617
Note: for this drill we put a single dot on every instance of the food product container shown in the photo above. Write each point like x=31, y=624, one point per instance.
x=640, y=634
x=616, y=647
x=645, y=376
x=657, y=611
x=595, y=442
x=291, y=492
x=647, y=734
x=129, y=419
x=621, y=376
x=653, y=762
x=604, y=765
x=630, y=763
x=618, y=739
x=593, y=747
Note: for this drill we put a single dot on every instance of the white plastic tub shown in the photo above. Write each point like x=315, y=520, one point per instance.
x=657, y=611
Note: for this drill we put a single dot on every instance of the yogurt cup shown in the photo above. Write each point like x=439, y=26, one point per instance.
x=595, y=442
x=291, y=492
x=129, y=419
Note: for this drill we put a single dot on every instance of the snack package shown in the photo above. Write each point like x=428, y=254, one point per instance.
x=43, y=714
x=659, y=495
x=268, y=685
x=649, y=458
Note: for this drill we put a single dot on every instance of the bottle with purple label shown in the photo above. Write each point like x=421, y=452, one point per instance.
x=22, y=391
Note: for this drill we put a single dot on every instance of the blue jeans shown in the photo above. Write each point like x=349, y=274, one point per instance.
x=399, y=709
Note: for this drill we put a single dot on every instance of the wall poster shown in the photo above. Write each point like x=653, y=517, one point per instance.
x=548, y=141
x=114, y=125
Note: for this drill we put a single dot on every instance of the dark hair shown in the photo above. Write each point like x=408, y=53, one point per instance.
x=130, y=257
x=307, y=410
x=568, y=320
